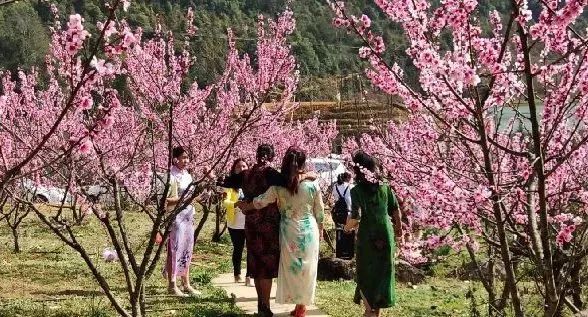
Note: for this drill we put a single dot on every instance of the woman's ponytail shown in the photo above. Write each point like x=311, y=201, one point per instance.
x=292, y=164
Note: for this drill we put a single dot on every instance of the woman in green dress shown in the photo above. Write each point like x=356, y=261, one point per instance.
x=375, y=204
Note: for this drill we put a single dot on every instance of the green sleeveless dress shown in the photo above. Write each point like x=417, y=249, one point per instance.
x=375, y=244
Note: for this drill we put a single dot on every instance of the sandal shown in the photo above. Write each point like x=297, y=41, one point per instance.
x=192, y=291
x=298, y=312
x=176, y=291
x=264, y=311
x=371, y=313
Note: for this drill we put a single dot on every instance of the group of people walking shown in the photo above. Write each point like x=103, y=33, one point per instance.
x=279, y=216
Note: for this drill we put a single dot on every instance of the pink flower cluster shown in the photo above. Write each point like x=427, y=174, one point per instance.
x=109, y=255
x=191, y=29
x=565, y=235
x=464, y=150
x=360, y=25
x=76, y=35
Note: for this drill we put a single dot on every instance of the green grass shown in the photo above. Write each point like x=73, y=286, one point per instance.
x=439, y=295
x=48, y=279
x=436, y=297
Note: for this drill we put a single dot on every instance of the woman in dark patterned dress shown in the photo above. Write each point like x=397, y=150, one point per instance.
x=262, y=226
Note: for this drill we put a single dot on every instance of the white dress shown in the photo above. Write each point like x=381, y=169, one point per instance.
x=299, y=240
x=181, y=238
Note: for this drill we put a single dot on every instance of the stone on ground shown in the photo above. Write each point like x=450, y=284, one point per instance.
x=407, y=273
x=334, y=269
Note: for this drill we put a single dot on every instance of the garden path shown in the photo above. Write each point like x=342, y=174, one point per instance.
x=246, y=299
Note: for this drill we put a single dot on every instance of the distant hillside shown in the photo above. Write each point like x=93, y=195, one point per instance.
x=325, y=54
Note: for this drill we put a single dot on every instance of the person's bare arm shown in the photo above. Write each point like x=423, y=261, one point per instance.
x=310, y=176
x=351, y=224
x=397, y=219
x=259, y=202
x=172, y=200
x=395, y=214
x=318, y=209
x=353, y=219
x=245, y=207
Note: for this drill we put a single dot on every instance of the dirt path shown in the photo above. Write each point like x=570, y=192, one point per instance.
x=246, y=298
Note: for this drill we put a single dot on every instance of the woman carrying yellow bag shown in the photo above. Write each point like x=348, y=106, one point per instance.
x=236, y=220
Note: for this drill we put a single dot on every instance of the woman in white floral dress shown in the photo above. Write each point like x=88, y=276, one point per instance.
x=302, y=211
x=181, y=238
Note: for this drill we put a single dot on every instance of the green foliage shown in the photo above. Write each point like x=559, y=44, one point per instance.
x=321, y=50
x=48, y=279
x=324, y=53
x=23, y=39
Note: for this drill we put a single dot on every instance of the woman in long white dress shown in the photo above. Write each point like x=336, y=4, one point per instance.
x=181, y=238
x=302, y=212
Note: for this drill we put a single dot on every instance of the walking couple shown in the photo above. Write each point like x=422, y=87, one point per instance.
x=284, y=214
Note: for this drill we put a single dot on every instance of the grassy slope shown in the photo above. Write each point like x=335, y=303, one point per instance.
x=437, y=296
x=47, y=279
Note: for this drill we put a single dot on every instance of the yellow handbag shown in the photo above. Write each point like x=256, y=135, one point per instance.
x=232, y=196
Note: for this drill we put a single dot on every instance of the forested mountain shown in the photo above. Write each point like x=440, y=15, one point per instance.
x=325, y=54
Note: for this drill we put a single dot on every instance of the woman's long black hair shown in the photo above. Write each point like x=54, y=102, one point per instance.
x=265, y=153
x=235, y=162
x=178, y=151
x=343, y=177
x=368, y=162
x=292, y=164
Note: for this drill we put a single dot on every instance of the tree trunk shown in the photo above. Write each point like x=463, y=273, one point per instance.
x=138, y=303
x=217, y=223
x=492, y=309
x=224, y=229
x=576, y=285
x=497, y=210
x=76, y=214
x=142, y=301
x=135, y=311
x=15, y=237
x=487, y=280
x=533, y=226
x=551, y=295
x=328, y=239
x=511, y=281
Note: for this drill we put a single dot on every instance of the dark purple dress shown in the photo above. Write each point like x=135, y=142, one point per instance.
x=262, y=226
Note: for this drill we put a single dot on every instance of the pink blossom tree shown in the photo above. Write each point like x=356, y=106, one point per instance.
x=495, y=139
x=40, y=108
x=44, y=113
x=83, y=127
